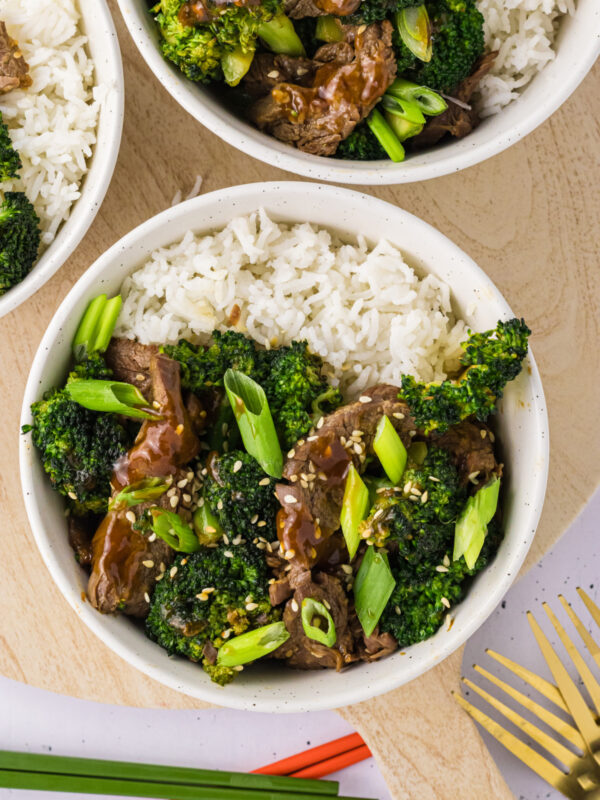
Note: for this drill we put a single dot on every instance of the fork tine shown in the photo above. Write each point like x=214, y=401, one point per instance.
x=594, y=611
x=556, y=723
x=583, y=632
x=559, y=751
x=580, y=712
x=544, y=687
x=590, y=682
x=540, y=765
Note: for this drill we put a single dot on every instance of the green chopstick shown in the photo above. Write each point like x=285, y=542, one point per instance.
x=90, y=769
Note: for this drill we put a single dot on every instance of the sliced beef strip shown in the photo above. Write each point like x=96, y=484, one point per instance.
x=81, y=533
x=14, y=70
x=268, y=69
x=297, y=9
x=317, y=117
x=373, y=647
x=472, y=449
x=456, y=121
x=130, y=362
x=302, y=652
x=317, y=468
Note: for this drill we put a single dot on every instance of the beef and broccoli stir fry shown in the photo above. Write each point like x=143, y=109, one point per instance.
x=230, y=497
x=355, y=79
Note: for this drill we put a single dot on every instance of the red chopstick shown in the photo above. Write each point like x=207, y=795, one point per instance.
x=324, y=759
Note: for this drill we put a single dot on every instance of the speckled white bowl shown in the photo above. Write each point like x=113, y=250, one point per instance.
x=522, y=426
x=104, y=48
x=577, y=47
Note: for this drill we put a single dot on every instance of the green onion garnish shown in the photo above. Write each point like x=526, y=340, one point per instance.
x=110, y=396
x=471, y=526
x=207, y=526
x=313, y=612
x=169, y=527
x=354, y=509
x=402, y=127
x=417, y=452
x=251, y=410
x=328, y=29
x=430, y=102
x=252, y=645
x=280, y=36
x=390, y=450
x=414, y=28
x=385, y=136
x=405, y=109
x=143, y=491
x=373, y=587
x=96, y=327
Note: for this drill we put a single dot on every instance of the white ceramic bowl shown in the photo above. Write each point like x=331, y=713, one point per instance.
x=522, y=430
x=104, y=48
x=577, y=47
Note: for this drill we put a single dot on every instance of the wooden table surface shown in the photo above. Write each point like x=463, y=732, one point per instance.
x=529, y=217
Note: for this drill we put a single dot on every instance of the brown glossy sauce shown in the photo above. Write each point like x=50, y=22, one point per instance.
x=336, y=90
x=118, y=551
x=297, y=531
x=331, y=458
x=199, y=12
x=340, y=8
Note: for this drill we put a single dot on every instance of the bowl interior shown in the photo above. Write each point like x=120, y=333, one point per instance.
x=521, y=425
x=104, y=49
x=577, y=47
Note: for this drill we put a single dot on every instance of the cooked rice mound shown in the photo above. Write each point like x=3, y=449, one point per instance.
x=362, y=308
x=53, y=122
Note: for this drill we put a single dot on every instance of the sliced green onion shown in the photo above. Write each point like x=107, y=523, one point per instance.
x=207, y=526
x=373, y=587
x=385, y=136
x=417, y=453
x=414, y=28
x=430, y=102
x=110, y=396
x=313, y=612
x=328, y=29
x=143, y=491
x=471, y=526
x=84, y=336
x=405, y=109
x=235, y=64
x=251, y=410
x=252, y=645
x=390, y=450
x=169, y=527
x=402, y=127
x=106, y=324
x=280, y=36
x=354, y=509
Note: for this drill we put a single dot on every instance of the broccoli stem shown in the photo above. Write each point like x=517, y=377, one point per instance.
x=405, y=109
x=385, y=136
x=235, y=64
x=280, y=36
x=328, y=29
x=402, y=127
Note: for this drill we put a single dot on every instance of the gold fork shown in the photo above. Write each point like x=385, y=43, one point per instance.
x=582, y=778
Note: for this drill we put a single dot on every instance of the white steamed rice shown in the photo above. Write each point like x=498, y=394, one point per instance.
x=53, y=122
x=363, y=309
x=523, y=31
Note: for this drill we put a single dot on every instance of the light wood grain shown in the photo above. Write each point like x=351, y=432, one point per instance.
x=530, y=219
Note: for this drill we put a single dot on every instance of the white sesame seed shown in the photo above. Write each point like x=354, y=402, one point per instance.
x=261, y=546
x=187, y=498
x=148, y=563
x=239, y=668
x=483, y=433
x=264, y=482
x=290, y=553
x=378, y=513
x=364, y=399
x=173, y=572
x=397, y=610
x=415, y=491
x=155, y=404
x=304, y=484
x=347, y=569
x=225, y=539
x=173, y=501
x=446, y=560
x=357, y=433
x=361, y=29
x=294, y=605
x=146, y=597
x=254, y=519
x=72, y=495
x=358, y=448
x=289, y=498
x=159, y=577
x=130, y=517
x=291, y=453
x=179, y=429
x=237, y=466
x=312, y=438
x=237, y=540
x=251, y=606
x=226, y=633
x=182, y=483
x=320, y=423
x=322, y=476
x=228, y=554
x=152, y=537
x=273, y=74
x=300, y=442
x=441, y=568
x=261, y=524
x=220, y=505
x=412, y=433
x=293, y=478
x=398, y=415
x=445, y=602
x=424, y=497
x=434, y=479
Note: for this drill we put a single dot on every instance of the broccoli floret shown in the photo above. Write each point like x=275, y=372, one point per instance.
x=457, y=44
x=419, y=532
x=19, y=239
x=78, y=448
x=296, y=390
x=361, y=145
x=183, y=617
x=10, y=161
x=415, y=609
x=197, y=49
x=203, y=367
x=375, y=10
x=238, y=496
x=491, y=359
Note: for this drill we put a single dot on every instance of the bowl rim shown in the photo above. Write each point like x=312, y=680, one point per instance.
x=36, y=513
x=102, y=161
x=241, y=135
